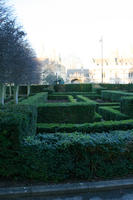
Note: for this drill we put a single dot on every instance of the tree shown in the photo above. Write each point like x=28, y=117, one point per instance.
x=18, y=64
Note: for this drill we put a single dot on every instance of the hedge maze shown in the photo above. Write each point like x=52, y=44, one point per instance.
x=74, y=131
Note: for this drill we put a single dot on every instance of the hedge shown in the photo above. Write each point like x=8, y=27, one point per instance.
x=126, y=87
x=57, y=97
x=28, y=113
x=35, y=99
x=70, y=98
x=59, y=157
x=81, y=98
x=16, y=122
x=74, y=94
x=66, y=112
x=127, y=106
x=108, y=113
x=114, y=95
x=86, y=127
x=73, y=88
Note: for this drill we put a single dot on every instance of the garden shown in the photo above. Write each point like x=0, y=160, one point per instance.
x=68, y=132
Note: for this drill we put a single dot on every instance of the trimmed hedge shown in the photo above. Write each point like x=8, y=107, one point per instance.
x=114, y=95
x=85, y=128
x=127, y=87
x=73, y=88
x=74, y=94
x=59, y=157
x=81, y=98
x=66, y=112
x=27, y=118
x=127, y=106
x=16, y=122
x=62, y=97
x=109, y=113
x=57, y=97
x=71, y=99
x=35, y=99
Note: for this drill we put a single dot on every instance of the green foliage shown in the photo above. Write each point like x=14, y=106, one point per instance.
x=16, y=122
x=86, y=127
x=71, y=99
x=66, y=112
x=35, y=99
x=114, y=95
x=74, y=94
x=109, y=113
x=27, y=118
x=59, y=157
x=126, y=87
x=81, y=98
x=127, y=106
x=73, y=88
x=34, y=89
x=57, y=97
x=97, y=117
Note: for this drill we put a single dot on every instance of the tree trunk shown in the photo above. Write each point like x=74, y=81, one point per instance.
x=16, y=91
x=2, y=93
x=5, y=90
x=28, y=90
x=10, y=90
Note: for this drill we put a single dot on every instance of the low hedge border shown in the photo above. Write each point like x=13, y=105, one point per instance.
x=109, y=113
x=74, y=94
x=57, y=97
x=114, y=95
x=73, y=87
x=127, y=106
x=86, y=127
x=78, y=112
x=35, y=99
x=81, y=98
x=59, y=157
x=70, y=98
x=110, y=86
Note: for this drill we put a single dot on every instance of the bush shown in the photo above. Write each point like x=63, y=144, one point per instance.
x=114, y=95
x=59, y=157
x=127, y=106
x=126, y=87
x=109, y=113
x=26, y=112
x=36, y=99
x=81, y=98
x=66, y=112
x=85, y=128
x=16, y=122
x=73, y=88
x=74, y=94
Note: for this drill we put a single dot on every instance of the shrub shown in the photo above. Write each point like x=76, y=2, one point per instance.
x=114, y=95
x=127, y=106
x=35, y=99
x=126, y=87
x=86, y=127
x=81, y=98
x=108, y=113
x=26, y=112
x=57, y=97
x=73, y=88
x=59, y=157
x=74, y=94
x=66, y=112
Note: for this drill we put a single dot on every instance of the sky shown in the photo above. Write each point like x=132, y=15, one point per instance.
x=73, y=28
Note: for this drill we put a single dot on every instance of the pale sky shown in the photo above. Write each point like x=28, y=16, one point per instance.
x=74, y=27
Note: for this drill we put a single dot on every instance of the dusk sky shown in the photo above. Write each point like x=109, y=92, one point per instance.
x=74, y=27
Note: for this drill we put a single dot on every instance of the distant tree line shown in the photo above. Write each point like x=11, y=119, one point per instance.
x=18, y=63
